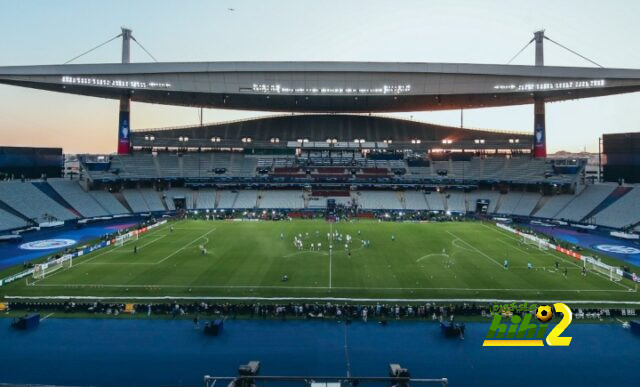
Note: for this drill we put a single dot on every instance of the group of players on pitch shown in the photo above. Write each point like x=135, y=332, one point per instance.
x=332, y=237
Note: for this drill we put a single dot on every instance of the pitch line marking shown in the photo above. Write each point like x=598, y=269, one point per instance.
x=475, y=248
x=432, y=255
x=117, y=286
x=91, y=258
x=185, y=246
x=503, y=233
x=514, y=247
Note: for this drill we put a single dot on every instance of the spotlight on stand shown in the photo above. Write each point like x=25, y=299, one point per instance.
x=401, y=374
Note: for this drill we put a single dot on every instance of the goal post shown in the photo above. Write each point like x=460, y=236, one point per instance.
x=539, y=244
x=122, y=239
x=41, y=270
x=611, y=272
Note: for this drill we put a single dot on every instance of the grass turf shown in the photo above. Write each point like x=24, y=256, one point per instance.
x=248, y=259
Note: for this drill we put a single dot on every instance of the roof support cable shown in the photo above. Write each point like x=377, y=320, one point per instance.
x=145, y=50
x=95, y=48
x=573, y=52
x=520, y=52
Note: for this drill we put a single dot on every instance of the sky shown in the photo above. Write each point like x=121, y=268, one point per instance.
x=488, y=31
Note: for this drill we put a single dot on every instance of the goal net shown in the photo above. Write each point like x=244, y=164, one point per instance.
x=540, y=245
x=613, y=273
x=122, y=239
x=41, y=270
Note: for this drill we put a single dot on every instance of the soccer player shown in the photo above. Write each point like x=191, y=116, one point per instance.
x=135, y=249
x=319, y=246
x=312, y=247
x=584, y=271
x=529, y=265
x=557, y=265
x=171, y=228
x=506, y=264
x=281, y=235
x=565, y=272
x=393, y=238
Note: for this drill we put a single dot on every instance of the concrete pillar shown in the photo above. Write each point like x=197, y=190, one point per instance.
x=539, y=127
x=124, y=122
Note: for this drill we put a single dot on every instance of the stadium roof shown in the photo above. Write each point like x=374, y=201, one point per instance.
x=326, y=86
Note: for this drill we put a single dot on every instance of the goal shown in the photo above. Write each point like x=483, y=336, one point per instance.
x=613, y=273
x=122, y=239
x=41, y=270
x=540, y=245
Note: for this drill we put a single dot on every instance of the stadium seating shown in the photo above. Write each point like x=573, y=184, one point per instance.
x=435, y=201
x=31, y=202
x=135, y=200
x=281, y=199
x=8, y=221
x=246, y=199
x=226, y=199
x=152, y=198
x=456, y=201
x=553, y=205
x=80, y=200
x=205, y=199
x=179, y=193
x=622, y=213
x=379, y=200
x=518, y=203
x=109, y=202
x=582, y=204
x=414, y=200
x=473, y=197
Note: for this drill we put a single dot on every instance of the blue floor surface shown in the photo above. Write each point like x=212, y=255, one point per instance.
x=14, y=254
x=107, y=352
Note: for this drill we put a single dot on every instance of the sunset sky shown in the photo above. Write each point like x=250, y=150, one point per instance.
x=52, y=32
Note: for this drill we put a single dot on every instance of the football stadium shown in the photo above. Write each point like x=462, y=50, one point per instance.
x=330, y=208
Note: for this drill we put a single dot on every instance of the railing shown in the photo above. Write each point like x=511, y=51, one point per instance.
x=250, y=381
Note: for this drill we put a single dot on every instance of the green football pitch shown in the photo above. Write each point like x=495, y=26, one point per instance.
x=448, y=260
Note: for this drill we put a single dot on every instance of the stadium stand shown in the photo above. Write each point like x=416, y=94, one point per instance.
x=109, y=202
x=624, y=212
x=588, y=199
x=246, y=199
x=83, y=202
x=456, y=201
x=435, y=201
x=205, y=199
x=414, y=200
x=152, y=198
x=226, y=199
x=135, y=200
x=281, y=199
x=379, y=200
x=553, y=205
x=174, y=194
x=31, y=202
x=473, y=197
x=8, y=221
